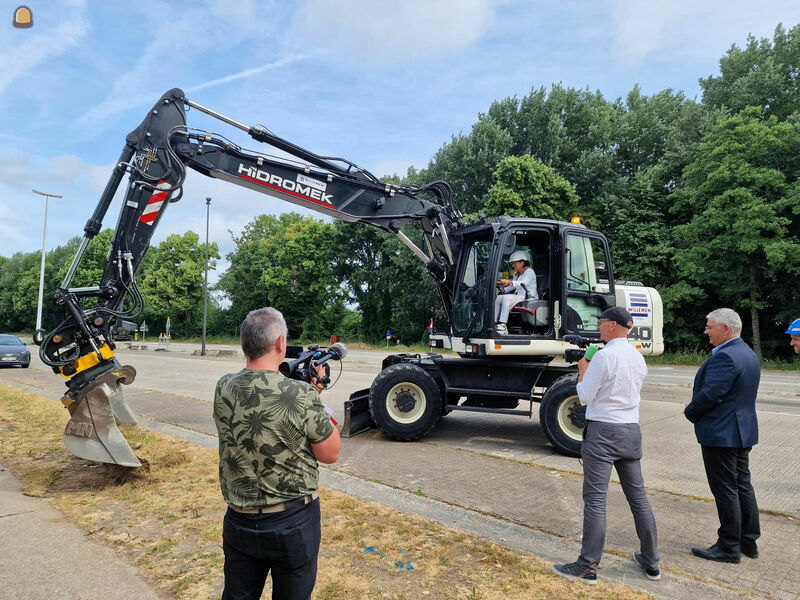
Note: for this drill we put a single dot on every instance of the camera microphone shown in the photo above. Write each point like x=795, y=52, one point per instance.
x=336, y=352
x=300, y=367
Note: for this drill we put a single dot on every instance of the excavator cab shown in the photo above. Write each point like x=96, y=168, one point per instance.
x=573, y=280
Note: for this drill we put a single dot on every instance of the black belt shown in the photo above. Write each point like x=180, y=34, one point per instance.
x=276, y=508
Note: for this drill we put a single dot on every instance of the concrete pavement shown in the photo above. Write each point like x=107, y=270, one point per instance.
x=44, y=557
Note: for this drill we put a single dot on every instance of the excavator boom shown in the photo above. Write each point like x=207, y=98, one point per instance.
x=155, y=157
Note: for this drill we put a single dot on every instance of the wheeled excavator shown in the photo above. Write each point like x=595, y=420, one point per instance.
x=489, y=371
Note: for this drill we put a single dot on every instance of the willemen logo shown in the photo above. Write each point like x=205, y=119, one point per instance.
x=276, y=182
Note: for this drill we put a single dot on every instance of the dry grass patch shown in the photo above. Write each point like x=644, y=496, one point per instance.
x=167, y=518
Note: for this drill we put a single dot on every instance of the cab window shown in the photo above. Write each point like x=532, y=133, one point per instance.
x=587, y=281
x=469, y=303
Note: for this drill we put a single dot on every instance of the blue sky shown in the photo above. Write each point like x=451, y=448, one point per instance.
x=383, y=84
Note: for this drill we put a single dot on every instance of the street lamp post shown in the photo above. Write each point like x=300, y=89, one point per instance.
x=205, y=282
x=47, y=197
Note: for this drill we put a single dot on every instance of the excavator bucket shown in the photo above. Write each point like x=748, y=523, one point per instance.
x=96, y=409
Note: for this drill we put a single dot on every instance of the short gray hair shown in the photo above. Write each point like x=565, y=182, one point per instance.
x=727, y=316
x=261, y=329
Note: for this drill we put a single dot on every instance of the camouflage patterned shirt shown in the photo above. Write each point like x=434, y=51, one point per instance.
x=266, y=425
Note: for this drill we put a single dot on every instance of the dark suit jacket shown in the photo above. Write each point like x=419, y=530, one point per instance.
x=723, y=406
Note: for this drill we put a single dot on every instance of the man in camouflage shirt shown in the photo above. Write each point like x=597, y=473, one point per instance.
x=273, y=431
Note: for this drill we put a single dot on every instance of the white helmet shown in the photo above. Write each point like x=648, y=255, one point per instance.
x=518, y=255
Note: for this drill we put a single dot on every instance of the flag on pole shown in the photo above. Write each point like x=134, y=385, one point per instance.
x=430, y=326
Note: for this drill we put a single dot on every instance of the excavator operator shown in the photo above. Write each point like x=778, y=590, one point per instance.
x=521, y=286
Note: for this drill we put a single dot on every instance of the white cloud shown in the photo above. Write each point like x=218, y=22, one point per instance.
x=640, y=26
x=685, y=30
x=395, y=32
x=282, y=62
x=177, y=40
x=19, y=58
x=22, y=212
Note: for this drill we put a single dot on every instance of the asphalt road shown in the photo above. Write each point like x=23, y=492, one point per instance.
x=177, y=388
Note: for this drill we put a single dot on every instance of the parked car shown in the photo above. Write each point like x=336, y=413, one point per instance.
x=13, y=351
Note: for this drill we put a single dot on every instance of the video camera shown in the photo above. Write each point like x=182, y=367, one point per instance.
x=300, y=367
x=580, y=341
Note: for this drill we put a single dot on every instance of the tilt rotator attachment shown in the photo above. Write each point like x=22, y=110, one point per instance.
x=80, y=351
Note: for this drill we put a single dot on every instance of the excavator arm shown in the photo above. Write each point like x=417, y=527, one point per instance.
x=155, y=157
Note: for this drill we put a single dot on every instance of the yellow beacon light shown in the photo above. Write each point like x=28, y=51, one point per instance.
x=23, y=17
x=576, y=220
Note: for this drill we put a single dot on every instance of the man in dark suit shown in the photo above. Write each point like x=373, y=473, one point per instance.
x=723, y=410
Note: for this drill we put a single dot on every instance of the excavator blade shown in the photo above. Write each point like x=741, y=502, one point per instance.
x=91, y=432
x=356, y=414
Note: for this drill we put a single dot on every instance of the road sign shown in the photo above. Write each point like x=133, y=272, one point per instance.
x=143, y=327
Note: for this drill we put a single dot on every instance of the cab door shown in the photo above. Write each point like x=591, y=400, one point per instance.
x=474, y=283
x=588, y=281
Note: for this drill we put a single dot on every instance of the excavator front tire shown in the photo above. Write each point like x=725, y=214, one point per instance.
x=405, y=402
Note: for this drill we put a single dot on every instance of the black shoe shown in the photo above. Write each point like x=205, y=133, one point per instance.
x=717, y=554
x=574, y=571
x=750, y=551
x=652, y=574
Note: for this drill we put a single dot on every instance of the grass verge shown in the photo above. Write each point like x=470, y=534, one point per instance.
x=167, y=519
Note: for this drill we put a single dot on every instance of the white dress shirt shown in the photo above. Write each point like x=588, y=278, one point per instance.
x=612, y=383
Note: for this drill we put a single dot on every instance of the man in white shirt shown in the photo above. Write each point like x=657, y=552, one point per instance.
x=610, y=387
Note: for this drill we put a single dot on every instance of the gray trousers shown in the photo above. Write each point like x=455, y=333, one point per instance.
x=618, y=445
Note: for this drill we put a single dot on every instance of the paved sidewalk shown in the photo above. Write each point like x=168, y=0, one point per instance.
x=45, y=558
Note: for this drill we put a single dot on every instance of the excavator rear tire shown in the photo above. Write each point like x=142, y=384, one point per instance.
x=405, y=402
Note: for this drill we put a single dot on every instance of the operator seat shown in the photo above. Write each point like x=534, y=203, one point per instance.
x=531, y=314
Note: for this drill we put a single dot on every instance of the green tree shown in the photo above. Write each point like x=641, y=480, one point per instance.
x=527, y=188
x=763, y=73
x=19, y=281
x=19, y=287
x=284, y=262
x=467, y=163
x=171, y=281
x=12, y=319
x=569, y=130
x=93, y=263
x=742, y=241
x=360, y=266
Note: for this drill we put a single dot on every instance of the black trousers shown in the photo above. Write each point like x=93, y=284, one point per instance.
x=728, y=473
x=286, y=544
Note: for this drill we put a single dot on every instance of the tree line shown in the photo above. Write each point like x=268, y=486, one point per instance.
x=699, y=199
